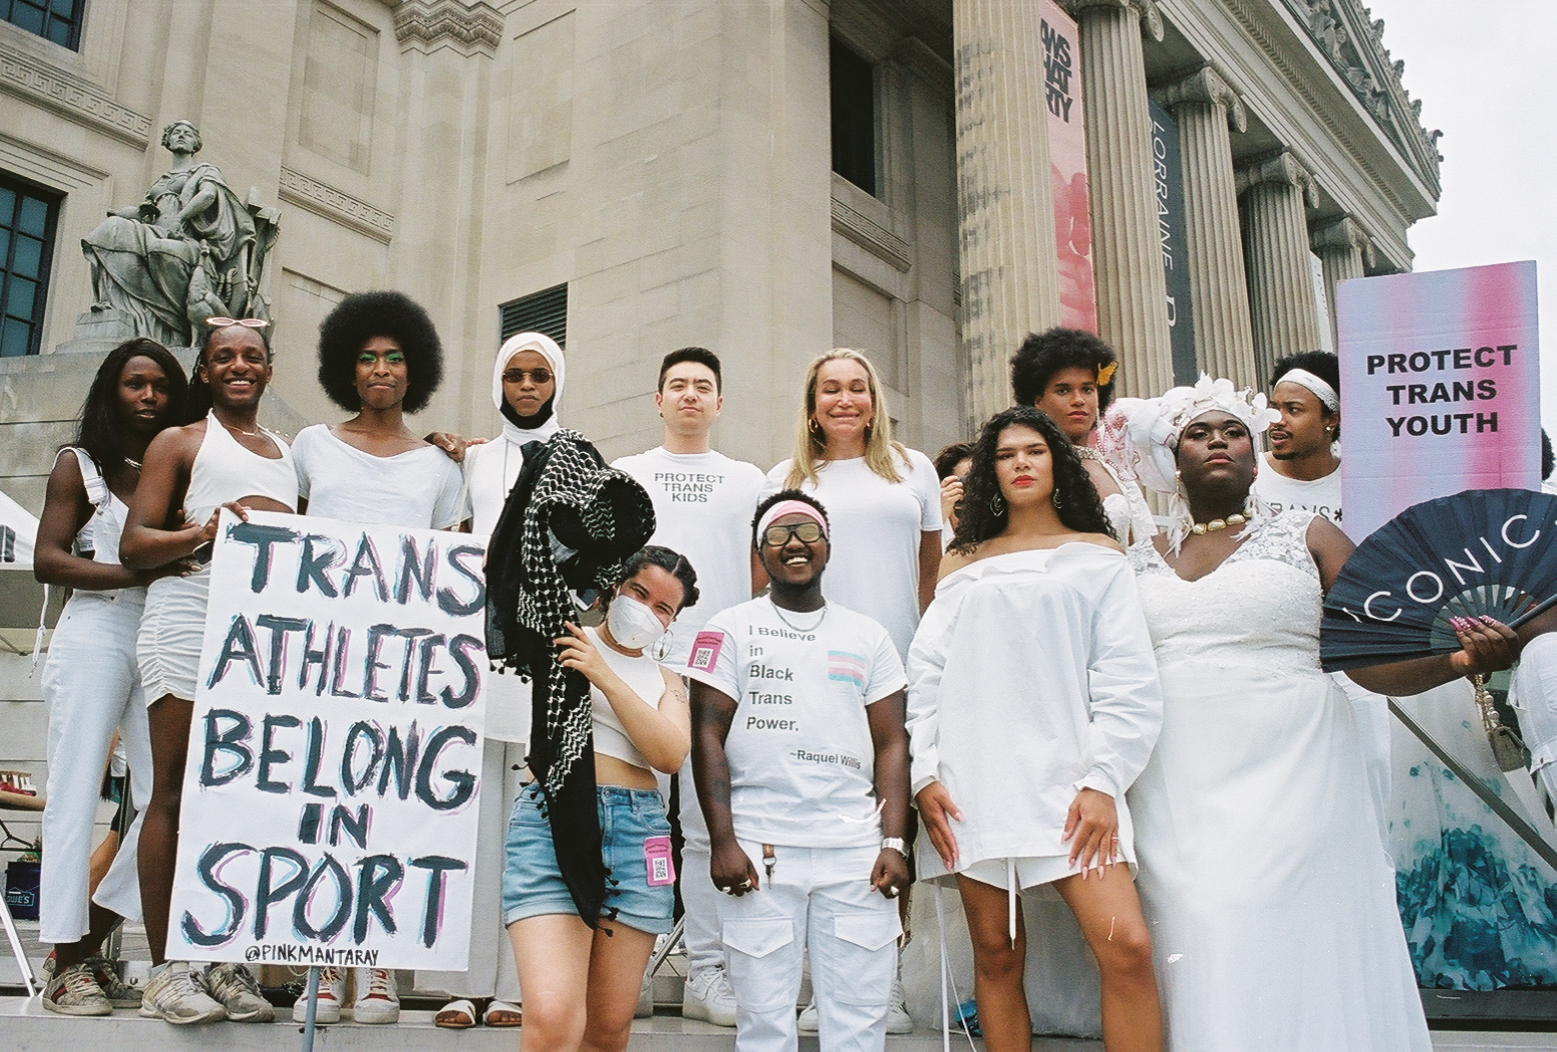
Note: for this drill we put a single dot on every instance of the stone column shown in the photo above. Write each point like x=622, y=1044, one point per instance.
x=1126, y=257
x=1010, y=280
x=1282, y=307
x=1344, y=250
x=1205, y=107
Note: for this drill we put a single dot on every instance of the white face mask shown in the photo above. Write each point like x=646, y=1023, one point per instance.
x=632, y=624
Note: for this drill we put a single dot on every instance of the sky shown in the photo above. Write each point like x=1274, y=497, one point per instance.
x=1487, y=77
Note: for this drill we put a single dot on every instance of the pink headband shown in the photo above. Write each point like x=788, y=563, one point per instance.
x=791, y=507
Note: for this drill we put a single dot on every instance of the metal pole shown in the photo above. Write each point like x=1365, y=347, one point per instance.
x=313, y=1006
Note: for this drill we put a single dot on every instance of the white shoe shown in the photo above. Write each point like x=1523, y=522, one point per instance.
x=377, y=999
x=332, y=991
x=176, y=994
x=898, y=1019
x=238, y=991
x=707, y=996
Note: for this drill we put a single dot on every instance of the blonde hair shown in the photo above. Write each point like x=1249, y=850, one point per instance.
x=881, y=453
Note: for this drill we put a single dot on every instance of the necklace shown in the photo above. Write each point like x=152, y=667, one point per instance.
x=136, y=464
x=241, y=431
x=798, y=628
x=1218, y=524
x=1087, y=453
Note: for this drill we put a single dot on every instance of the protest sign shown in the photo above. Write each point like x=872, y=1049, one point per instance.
x=330, y=799
x=1440, y=386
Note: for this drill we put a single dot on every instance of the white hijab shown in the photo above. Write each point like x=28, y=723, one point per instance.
x=492, y=468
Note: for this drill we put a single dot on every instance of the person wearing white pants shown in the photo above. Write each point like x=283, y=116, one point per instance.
x=801, y=757
x=91, y=683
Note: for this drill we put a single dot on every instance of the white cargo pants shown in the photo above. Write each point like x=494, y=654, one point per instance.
x=821, y=898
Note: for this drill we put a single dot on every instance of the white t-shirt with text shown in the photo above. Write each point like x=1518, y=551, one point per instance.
x=802, y=764
x=1321, y=496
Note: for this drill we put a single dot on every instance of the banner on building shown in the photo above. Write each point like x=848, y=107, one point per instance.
x=1173, y=242
x=1440, y=385
x=330, y=799
x=1068, y=166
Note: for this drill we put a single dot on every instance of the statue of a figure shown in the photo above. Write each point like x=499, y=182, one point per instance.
x=192, y=249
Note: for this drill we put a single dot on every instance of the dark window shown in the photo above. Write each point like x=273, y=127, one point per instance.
x=853, y=89
x=544, y=312
x=26, y=245
x=56, y=20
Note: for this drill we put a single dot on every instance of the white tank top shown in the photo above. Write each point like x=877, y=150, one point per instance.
x=643, y=675
x=224, y=470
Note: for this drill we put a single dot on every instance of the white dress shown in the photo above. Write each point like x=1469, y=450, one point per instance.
x=1269, y=897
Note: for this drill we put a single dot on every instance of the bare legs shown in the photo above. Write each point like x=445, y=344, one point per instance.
x=1109, y=914
x=580, y=986
x=169, y=717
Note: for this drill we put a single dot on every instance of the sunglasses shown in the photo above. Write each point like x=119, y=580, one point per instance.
x=537, y=376
x=777, y=536
x=247, y=323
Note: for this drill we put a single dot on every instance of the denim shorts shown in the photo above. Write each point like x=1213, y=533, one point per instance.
x=532, y=883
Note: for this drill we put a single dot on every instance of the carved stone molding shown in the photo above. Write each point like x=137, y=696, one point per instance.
x=470, y=28
x=1146, y=11
x=1282, y=168
x=336, y=205
x=871, y=236
x=71, y=98
x=1206, y=86
x=1345, y=232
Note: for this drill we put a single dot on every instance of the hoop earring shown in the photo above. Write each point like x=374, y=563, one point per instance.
x=813, y=426
x=997, y=504
x=1058, y=502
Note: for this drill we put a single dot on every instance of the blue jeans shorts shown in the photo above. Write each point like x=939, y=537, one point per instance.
x=532, y=883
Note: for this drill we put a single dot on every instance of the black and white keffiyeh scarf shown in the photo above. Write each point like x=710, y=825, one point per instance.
x=567, y=526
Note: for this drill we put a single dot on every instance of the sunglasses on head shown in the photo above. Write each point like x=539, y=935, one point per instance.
x=247, y=323
x=776, y=536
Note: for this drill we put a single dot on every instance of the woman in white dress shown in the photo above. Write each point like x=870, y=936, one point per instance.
x=1033, y=705
x=883, y=499
x=1270, y=898
x=1069, y=375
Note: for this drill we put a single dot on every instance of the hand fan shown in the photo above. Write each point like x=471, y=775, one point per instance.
x=1491, y=551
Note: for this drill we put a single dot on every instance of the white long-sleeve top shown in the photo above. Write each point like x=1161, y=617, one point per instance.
x=1032, y=677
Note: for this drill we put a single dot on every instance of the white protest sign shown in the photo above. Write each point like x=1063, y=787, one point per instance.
x=330, y=799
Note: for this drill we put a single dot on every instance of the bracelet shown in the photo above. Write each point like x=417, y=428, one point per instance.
x=895, y=843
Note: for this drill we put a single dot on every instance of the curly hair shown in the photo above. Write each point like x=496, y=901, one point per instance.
x=1044, y=354
x=101, y=431
x=167, y=132
x=949, y=457
x=1322, y=364
x=1079, y=506
x=356, y=320
x=673, y=563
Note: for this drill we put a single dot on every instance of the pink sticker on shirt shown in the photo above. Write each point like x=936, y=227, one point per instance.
x=705, y=651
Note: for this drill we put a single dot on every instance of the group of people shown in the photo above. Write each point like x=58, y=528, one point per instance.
x=1053, y=693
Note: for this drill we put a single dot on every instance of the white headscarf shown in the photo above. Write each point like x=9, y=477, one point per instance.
x=1144, y=436
x=492, y=468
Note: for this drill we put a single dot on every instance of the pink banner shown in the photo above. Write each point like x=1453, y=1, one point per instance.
x=1068, y=167
x=1440, y=388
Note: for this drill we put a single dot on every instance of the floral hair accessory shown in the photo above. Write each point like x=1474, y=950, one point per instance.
x=1105, y=375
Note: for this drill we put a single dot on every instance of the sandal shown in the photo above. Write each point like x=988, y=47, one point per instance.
x=502, y=1013
x=456, y=1015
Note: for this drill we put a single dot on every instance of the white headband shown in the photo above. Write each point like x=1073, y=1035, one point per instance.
x=1321, y=389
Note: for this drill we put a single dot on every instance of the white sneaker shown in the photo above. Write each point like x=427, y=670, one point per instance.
x=898, y=1019
x=75, y=992
x=239, y=993
x=176, y=994
x=377, y=999
x=707, y=996
x=332, y=991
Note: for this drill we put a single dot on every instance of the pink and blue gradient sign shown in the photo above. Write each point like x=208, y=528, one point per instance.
x=1440, y=388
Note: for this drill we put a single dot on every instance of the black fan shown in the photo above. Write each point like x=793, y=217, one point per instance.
x=1488, y=551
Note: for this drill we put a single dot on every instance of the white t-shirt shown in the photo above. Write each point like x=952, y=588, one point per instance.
x=419, y=488
x=1321, y=496
x=875, y=530
x=641, y=674
x=703, y=505
x=802, y=765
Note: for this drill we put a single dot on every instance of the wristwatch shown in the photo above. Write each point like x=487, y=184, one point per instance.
x=896, y=844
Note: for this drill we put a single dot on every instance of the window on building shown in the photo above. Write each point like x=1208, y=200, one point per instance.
x=544, y=312
x=853, y=89
x=27, y=217
x=56, y=20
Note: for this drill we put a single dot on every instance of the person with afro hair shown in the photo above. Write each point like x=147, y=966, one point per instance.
x=1068, y=375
